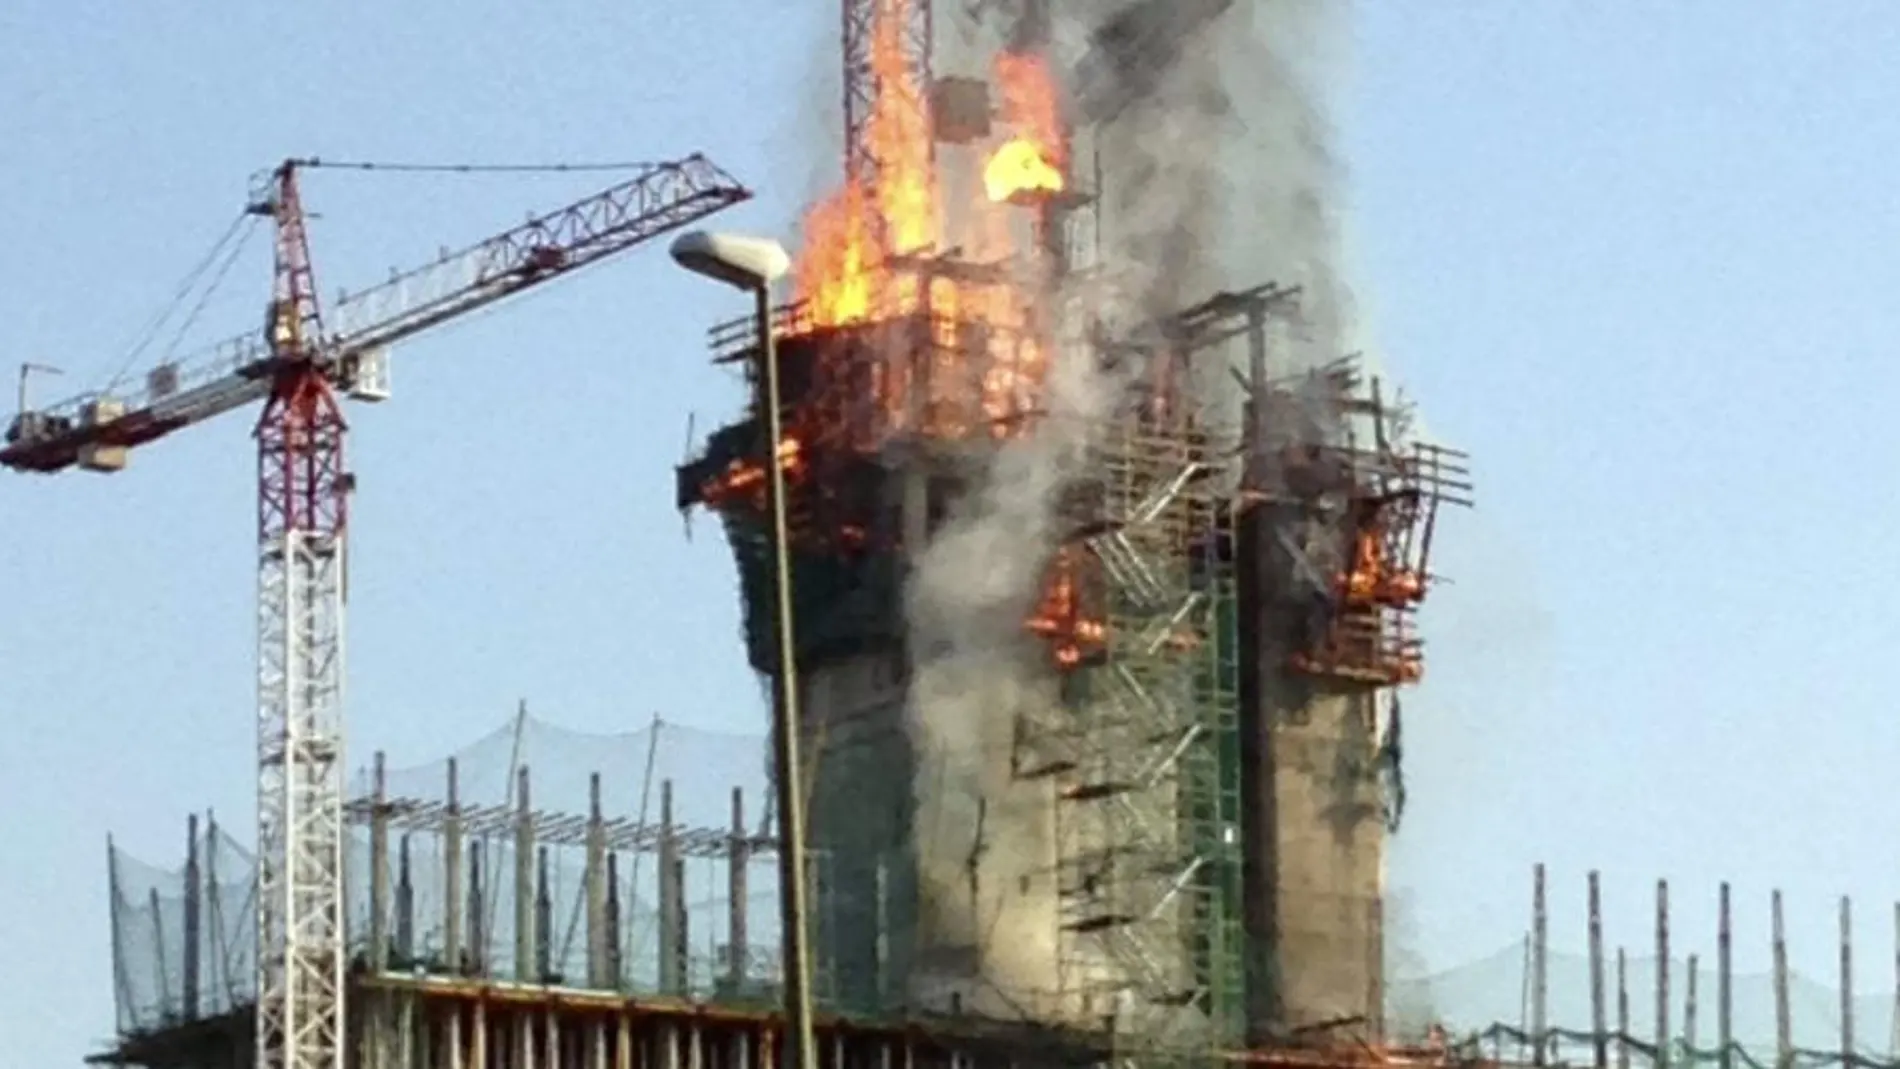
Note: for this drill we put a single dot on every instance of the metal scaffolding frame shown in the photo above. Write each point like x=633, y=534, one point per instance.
x=1145, y=753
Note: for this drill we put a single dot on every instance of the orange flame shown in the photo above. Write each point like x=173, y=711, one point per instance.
x=1030, y=162
x=1030, y=103
x=1019, y=168
x=889, y=208
x=741, y=476
x=977, y=366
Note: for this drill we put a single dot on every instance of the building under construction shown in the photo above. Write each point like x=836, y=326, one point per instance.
x=1102, y=589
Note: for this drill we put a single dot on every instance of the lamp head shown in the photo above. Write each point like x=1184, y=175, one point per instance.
x=738, y=260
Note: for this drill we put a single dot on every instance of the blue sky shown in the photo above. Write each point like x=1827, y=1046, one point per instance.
x=1637, y=258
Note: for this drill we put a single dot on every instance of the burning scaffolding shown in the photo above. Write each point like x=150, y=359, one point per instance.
x=950, y=331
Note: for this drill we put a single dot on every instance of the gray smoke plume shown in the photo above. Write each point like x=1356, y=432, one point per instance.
x=1219, y=175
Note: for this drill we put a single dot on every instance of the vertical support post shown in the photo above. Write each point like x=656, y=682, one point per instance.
x=379, y=866
x=1689, y=1037
x=408, y=1037
x=596, y=890
x=1725, y=984
x=219, y=973
x=1847, y=983
x=405, y=905
x=1622, y=1011
x=738, y=856
x=786, y=721
x=544, y=963
x=682, y=949
x=1662, y=974
x=1540, y=965
x=374, y=1042
x=194, y=928
x=1784, y=1022
x=452, y=896
x=524, y=879
x=616, y=973
x=1599, y=1028
x=478, y=934
x=672, y=982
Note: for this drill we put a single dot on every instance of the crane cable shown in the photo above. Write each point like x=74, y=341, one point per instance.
x=151, y=330
x=240, y=227
x=475, y=168
x=217, y=280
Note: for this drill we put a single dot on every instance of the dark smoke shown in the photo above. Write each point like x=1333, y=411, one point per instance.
x=1207, y=118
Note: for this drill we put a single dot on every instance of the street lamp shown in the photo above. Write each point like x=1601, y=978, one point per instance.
x=753, y=264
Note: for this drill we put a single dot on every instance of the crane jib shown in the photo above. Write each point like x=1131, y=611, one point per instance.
x=94, y=430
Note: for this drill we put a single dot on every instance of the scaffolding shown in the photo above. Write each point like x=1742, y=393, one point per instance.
x=1355, y=499
x=1668, y=997
x=909, y=375
x=616, y=881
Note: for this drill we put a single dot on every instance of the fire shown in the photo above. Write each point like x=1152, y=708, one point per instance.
x=888, y=203
x=1374, y=579
x=1030, y=102
x=1020, y=167
x=1030, y=162
x=1063, y=617
x=742, y=477
x=983, y=357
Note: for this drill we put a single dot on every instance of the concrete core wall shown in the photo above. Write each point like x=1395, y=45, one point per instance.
x=1314, y=822
x=1329, y=837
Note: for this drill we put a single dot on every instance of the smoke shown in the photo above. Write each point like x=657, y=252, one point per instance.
x=1220, y=176
x=1410, y=1002
x=986, y=855
x=1283, y=208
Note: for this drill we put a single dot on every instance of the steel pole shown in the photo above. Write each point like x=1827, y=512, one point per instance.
x=796, y=965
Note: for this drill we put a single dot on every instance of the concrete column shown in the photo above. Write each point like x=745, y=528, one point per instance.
x=477, y=917
x=213, y=904
x=524, y=881
x=379, y=868
x=672, y=968
x=405, y=905
x=616, y=973
x=737, y=857
x=1662, y=975
x=194, y=931
x=1784, y=1014
x=1599, y=1026
x=596, y=890
x=544, y=963
x=452, y=880
x=1724, y=984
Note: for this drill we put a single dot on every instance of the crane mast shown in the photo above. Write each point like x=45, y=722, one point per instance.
x=298, y=367
x=302, y=525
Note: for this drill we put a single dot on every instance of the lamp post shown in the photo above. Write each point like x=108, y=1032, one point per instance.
x=753, y=264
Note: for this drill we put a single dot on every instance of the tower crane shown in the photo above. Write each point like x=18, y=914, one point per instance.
x=298, y=366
